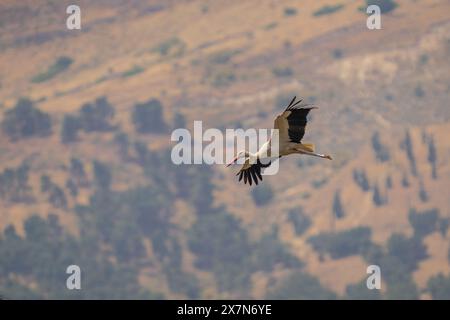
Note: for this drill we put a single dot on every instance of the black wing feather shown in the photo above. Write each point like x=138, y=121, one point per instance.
x=253, y=173
x=297, y=120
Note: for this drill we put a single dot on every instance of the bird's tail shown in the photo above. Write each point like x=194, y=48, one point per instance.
x=308, y=147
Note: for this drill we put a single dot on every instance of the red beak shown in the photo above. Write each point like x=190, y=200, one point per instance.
x=234, y=160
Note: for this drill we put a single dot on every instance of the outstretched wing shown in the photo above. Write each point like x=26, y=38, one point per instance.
x=252, y=173
x=292, y=122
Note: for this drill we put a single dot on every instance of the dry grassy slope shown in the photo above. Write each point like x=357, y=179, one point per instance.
x=117, y=37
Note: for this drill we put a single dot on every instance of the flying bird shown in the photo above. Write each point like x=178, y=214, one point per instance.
x=291, y=126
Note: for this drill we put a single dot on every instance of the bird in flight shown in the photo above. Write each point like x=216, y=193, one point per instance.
x=291, y=129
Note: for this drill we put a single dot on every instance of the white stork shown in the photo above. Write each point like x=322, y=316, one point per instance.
x=291, y=129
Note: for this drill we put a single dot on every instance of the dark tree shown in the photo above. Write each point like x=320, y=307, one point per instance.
x=359, y=291
x=222, y=246
x=360, y=177
x=432, y=157
x=439, y=287
x=269, y=252
x=73, y=189
x=300, y=221
x=14, y=184
x=25, y=121
x=381, y=151
x=123, y=143
x=300, y=285
x=389, y=182
x=46, y=183
x=410, y=251
x=377, y=198
x=97, y=116
x=57, y=197
x=262, y=194
x=405, y=181
x=407, y=145
x=102, y=175
x=201, y=190
x=385, y=5
x=148, y=117
x=77, y=171
x=423, y=223
x=338, y=208
x=443, y=226
x=69, y=130
x=7, y=182
x=343, y=244
x=179, y=121
x=423, y=194
x=142, y=152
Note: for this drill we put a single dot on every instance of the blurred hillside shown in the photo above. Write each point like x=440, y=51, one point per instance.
x=85, y=170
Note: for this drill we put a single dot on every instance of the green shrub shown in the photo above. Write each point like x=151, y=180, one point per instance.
x=337, y=53
x=282, y=72
x=172, y=46
x=385, y=5
x=439, y=287
x=270, y=26
x=223, y=78
x=288, y=12
x=328, y=9
x=419, y=91
x=133, y=71
x=61, y=64
x=423, y=60
x=223, y=57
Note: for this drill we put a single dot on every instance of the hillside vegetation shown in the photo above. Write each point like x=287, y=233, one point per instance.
x=85, y=170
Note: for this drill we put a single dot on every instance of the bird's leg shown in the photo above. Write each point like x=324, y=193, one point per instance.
x=325, y=156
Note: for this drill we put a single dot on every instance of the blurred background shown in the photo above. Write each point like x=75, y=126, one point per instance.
x=85, y=170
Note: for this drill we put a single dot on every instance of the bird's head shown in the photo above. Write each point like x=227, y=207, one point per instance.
x=241, y=154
